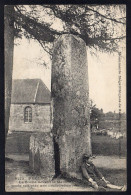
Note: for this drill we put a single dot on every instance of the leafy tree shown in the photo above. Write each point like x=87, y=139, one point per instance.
x=95, y=113
x=101, y=26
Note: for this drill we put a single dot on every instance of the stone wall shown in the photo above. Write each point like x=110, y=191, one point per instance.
x=70, y=93
x=40, y=118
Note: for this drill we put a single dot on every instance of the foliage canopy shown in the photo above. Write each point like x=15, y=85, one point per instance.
x=102, y=27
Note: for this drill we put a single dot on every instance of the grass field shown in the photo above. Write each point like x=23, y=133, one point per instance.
x=18, y=142
x=105, y=145
x=20, y=169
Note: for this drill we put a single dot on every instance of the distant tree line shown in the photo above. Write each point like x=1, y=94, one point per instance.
x=97, y=114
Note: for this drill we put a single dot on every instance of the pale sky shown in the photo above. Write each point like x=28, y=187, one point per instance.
x=102, y=73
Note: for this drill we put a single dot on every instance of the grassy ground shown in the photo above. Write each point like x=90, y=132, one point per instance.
x=19, y=178
x=117, y=177
x=109, y=164
x=18, y=142
x=104, y=145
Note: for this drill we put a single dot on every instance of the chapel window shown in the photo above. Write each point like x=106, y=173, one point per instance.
x=28, y=114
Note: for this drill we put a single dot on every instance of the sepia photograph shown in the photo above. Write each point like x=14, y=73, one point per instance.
x=65, y=98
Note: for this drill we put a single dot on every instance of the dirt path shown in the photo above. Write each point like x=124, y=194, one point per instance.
x=19, y=178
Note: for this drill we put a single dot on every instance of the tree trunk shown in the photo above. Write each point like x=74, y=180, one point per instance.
x=9, y=47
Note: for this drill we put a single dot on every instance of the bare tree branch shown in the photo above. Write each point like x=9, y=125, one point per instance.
x=104, y=16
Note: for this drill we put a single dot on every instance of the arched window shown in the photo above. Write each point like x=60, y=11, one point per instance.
x=28, y=114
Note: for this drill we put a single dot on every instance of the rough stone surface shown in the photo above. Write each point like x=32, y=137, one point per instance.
x=71, y=121
x=41, y=157
x=40, y=118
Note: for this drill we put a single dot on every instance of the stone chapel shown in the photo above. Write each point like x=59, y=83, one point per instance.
x=30, y=106
x=30, y=112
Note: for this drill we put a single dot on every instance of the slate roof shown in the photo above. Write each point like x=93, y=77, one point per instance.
x=29, y=91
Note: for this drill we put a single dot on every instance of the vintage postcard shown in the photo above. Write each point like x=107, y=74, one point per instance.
x=65, y=98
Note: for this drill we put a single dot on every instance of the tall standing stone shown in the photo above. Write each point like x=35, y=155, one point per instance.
x=70, y=93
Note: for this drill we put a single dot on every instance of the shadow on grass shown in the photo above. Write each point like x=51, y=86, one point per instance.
x=76, y=182
x=115, y=176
